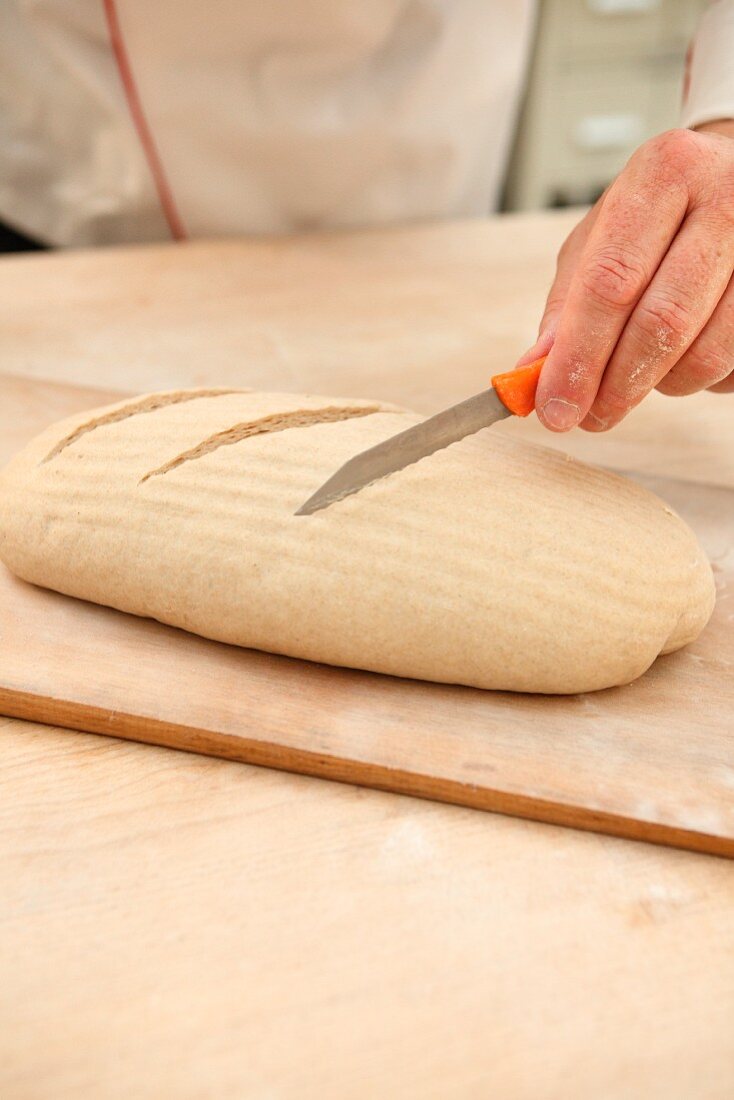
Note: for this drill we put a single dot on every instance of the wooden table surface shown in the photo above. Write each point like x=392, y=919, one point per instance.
x=178, y=926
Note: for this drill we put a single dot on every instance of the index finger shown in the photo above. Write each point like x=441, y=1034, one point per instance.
x=637, y=222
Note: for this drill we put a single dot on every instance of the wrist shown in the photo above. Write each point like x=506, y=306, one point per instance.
x=723, y=126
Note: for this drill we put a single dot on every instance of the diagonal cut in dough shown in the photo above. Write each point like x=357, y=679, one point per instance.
x=151, y=403
x=278, y=422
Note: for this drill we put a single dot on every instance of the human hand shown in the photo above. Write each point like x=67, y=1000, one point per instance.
x=643, y=296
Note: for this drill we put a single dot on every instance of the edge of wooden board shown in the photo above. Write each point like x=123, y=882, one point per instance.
x=153, y=731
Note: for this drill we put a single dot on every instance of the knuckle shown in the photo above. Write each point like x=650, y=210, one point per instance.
x=665, y=323
x=614, y=278
x=699, y=369
x=673, y=162
x=716, y=364
x=675, y=149
x=706, y=368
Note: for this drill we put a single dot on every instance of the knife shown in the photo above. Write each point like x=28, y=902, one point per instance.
x=510, y=394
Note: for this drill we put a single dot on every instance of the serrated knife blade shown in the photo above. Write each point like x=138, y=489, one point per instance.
x=435, y=433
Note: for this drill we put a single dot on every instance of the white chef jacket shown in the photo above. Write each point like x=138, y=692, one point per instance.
x=140, y=119
x=709, y=92
x=143, y=119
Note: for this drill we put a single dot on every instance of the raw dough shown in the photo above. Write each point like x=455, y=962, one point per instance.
x=490, y=563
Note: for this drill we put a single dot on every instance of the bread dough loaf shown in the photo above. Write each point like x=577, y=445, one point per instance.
x=489, y=563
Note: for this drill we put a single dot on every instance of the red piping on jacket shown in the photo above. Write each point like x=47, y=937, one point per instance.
x=165, y=195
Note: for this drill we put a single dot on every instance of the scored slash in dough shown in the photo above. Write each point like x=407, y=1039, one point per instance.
x=490, y=563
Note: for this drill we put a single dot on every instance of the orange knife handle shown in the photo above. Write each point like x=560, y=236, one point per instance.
x=516, y=389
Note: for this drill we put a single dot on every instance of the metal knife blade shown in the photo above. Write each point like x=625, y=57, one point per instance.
x=408, y=447
x=510, y=393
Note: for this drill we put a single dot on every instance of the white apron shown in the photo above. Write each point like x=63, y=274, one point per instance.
x=130, y=120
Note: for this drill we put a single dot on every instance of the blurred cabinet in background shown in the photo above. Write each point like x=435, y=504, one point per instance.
x=605, y=75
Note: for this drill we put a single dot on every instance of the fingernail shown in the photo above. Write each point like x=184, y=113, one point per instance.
x=561, y=415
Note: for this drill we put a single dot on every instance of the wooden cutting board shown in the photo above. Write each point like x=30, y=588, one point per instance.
x=653, y=761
